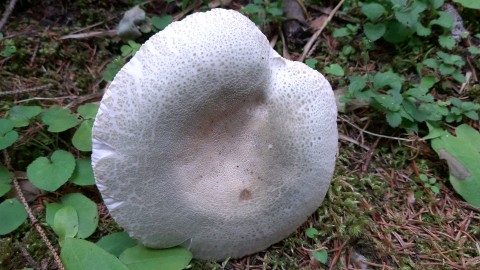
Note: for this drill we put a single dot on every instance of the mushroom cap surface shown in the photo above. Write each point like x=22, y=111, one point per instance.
x=207, y=138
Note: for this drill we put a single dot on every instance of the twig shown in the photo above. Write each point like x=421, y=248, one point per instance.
x=308, y=46
x=33, y=219
x=285, y=53
x=110, y=33
x=37, y=226
x=45, y=98
x=369, y=157
x=375, y=134
x=22, y=91
x=8, y=10
x=352, y=140
x=83, y=99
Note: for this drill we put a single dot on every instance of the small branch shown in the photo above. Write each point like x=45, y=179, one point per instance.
x=33, y=219
x=308, y=46
x=375, y=134
x=37, y=226
x=285, y=52
x=22, y=91
x=8, y=10
x=109, y=33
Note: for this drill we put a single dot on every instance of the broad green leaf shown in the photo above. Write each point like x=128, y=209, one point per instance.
x=382, y=79
x=21, y=115
x=311, y=62
x=51, y=174
x=399, y=3
x=430, y=62
x=82, y=139
x=78, y=254
x=65, y=222
x=447, y=42
x=311, y=232
x=462, y=153
x=8, y=136
x=321, y=255
x=451, y=59
x=413, y=111
x=335, y=69
x=397, y=32
x=475, y=4
x=275, y=11
x=116, y=243
x=407, y=17
x=59, y=120
x=446, y=69
x=112, y=68
x=373, y=11
x=341, y=32
x=427, y=82
x=357, y=84
x=252, y=9
x=474, y=50
x=141, y=258
x=374, y=31
x=458, y=76
x=12, y=215
x=444, y=20
x=472, y=115
x=125, y=50
x=52, y=209
x=394, y=119
x=437, y=3
x=88, y=111
x=5, y=180
x=83, y=173
x=434, y=111
x=161, y=22
x=87, y=213
x=135, y=47
x=422, y=30
x=390, y=102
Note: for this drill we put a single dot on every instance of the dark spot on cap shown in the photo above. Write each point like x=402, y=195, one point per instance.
x=245, y=195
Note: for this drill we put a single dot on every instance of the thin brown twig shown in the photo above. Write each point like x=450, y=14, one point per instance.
x=36, y=225
x=8, y=10
x=308, y=46
x=285, y=52
x=27, y=90
x=33, y=219
x=375, y=134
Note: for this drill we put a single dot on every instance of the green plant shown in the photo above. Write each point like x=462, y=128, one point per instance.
x=396, y=21
x=320, y=255
x=446, y=64
x=383, y=91
x=9, y=48
x=430, y=183
x=263, y=12
x=469, y=3
x=461, y=152
x=335, y=69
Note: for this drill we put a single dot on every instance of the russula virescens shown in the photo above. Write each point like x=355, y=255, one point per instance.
x=207, y=138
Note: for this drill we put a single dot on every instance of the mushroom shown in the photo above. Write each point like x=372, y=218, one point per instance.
x=207, y=138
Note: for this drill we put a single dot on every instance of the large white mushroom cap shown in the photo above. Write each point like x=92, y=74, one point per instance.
x=207, y=138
